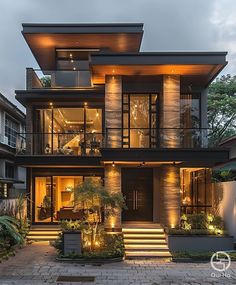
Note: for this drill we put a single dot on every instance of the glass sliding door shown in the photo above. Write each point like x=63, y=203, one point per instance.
x=43, y=199
x=139, y=120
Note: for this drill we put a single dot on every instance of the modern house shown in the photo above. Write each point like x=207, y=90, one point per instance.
x=98, y=107
x=12, y=177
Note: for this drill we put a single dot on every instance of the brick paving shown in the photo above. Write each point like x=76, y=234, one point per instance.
x=36, y=264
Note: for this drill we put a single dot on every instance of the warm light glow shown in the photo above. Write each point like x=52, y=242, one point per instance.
x=113, y=164
x=172, y=226
x=50, y=103
x=211, y=227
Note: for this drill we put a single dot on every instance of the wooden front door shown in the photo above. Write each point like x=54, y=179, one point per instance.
x=137, y=187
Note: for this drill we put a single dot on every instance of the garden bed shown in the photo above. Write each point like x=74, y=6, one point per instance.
x=195, y=257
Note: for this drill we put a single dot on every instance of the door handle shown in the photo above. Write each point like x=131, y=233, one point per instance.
x=136, y=200
x=134, y=203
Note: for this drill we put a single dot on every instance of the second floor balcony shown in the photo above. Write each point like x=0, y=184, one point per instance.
x=47, y=79
x=90, y=144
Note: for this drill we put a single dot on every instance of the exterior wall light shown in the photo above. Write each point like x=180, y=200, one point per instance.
x=113, y=164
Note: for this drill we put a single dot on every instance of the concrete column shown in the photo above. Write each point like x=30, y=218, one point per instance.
x=170, y=195
x=29, y=129
x=204, y=121
x=156, y=195
x=113, y=110
x=113, y=185
x=170, y=112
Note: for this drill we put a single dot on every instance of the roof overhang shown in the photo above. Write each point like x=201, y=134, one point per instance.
x=94, y=94
x=201, y=157
x=205, y=65
x=44, y=39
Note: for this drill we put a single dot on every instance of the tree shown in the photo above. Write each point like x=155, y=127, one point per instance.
x=222, y=109
x=46, y=81
x=94, y=200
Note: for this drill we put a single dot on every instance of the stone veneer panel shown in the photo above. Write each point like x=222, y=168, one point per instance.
x=170, y=195
x=113, y=185
x=170, y=111
x=113, y=110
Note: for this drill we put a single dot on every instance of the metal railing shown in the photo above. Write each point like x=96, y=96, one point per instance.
x=74, y=143
x=156, y=138
x=89, y=144
x=37, y=78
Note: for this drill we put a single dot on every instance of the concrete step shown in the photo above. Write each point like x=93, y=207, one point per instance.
x=150, y=253
x=143, y=236
x=144, y=241
x=142, y=230
x=137, y=247
x=43, y=233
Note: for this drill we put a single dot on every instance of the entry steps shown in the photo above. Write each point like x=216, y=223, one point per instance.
x=145, y=240
x=43, y=232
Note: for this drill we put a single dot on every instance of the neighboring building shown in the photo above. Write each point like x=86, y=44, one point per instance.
x=229, y=165
x=12, y=177
x=105, y=110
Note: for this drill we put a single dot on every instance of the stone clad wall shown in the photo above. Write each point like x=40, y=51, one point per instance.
x=113, y=185
x=169, y=195
x=113, y=110
x=170, y=111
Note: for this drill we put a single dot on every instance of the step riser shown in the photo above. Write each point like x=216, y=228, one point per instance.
x=145, y=242
x=43, y=233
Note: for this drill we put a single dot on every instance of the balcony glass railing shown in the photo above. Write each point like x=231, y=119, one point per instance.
x=89, y=144
x=37, y=78
x=156, y=138
x=77, y=144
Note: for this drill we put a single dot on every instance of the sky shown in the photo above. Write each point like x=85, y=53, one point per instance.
x=169, y=25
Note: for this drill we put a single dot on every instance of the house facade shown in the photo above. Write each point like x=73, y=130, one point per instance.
x=12, y=177
x=100, y=108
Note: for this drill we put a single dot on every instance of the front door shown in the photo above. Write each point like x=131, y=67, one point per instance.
x=137, y=187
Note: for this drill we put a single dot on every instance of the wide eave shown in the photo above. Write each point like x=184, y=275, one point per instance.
x=204, y=66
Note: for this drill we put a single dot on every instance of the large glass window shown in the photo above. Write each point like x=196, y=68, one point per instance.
x=54, y=197
x=190, y=120
x=139, y=120
x=11, y=130
x=196, y=190
x=69, y=131
x=190, y=111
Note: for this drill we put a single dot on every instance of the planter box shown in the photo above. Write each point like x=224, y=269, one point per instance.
x=72, y=242
x=200, y=243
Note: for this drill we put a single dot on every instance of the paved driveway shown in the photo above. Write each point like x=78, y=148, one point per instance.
x=35, y=264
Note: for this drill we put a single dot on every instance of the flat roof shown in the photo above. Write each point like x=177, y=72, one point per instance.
x=83, y=28
x=44, y=39
x=206, y=65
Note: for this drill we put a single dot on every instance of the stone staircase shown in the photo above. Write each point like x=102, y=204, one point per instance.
x=43, y=233
x=145, y=240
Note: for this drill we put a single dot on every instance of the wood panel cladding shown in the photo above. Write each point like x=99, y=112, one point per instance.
x=113, y=110
x=170, y=112
x=170, y=195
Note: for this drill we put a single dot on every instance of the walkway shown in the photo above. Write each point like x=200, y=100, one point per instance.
x=35, y=264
